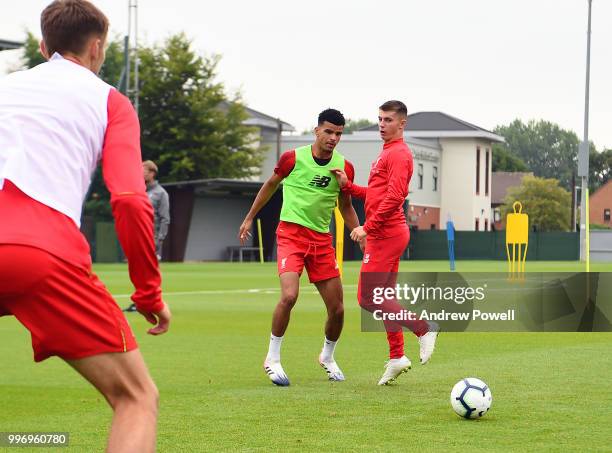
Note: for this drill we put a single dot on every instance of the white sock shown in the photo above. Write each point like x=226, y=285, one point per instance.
x=328, y=350
x=274, y=348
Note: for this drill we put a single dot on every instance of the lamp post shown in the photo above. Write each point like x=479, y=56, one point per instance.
x=133, y=93
x=583, y=153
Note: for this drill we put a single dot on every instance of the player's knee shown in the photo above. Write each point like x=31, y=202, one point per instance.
x=147, y=398
x=289, y=299
x=337, y=311
x=143, y=394
x=366, y=304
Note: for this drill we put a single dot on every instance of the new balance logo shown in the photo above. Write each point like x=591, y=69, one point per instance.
x=366, y=258
x=320, y=181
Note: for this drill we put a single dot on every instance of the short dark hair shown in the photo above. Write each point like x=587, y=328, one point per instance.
x=67, y=25
x=395, y=106
x=332, y=116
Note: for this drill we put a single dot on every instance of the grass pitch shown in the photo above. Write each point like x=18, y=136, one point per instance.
x=551, y=391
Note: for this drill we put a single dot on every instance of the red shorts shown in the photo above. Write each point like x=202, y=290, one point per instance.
x=298, y=246
x=68, y=312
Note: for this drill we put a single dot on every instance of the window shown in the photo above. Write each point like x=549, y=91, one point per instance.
x=486, y=225
x=487, y=154
x=420, y=174
x=497, y=215
x=477, y=171
x=606, y=215
x=435, y=179
x=432, y=226
x=477, y=225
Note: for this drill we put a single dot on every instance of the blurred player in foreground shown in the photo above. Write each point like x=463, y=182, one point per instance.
x=387, y=234
x=57, y=121
x=310, y=192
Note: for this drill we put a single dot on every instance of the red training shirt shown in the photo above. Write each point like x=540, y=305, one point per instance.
x=386, y=191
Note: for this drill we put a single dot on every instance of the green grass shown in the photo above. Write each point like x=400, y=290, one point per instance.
x=551, y=391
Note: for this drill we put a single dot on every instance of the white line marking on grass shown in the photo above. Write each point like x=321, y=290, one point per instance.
x=224, y=291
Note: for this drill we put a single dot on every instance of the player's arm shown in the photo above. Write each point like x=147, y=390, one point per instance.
x=348, y=211
x=132, y=210
x=283, y=168
x=164, y=216
x=263, y=196
x=347, y=184
x=344, y=200
x=399, y=168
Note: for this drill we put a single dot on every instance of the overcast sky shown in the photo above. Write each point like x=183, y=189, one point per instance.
x=484, y=61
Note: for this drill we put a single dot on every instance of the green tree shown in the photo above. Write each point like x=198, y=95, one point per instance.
x=354, y=125
x=350, y=126
x=31, y=51
x=547, y=204
x=546, y=149
x=504, y=160
x=189, y=127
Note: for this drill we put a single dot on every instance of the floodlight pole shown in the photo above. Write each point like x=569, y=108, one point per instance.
x=583, y=154
x=132, y=93
x=136, y=61
x=127, y=50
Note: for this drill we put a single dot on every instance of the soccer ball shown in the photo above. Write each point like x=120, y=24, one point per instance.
x=471, y=398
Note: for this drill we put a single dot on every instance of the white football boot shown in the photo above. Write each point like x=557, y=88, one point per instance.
x=393, y=368
x=332, y=369
x=275, y=372
x=427, y=342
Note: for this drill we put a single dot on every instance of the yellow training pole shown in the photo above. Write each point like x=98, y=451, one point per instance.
x=261, y=258
x=588, y=230
x=339, y=239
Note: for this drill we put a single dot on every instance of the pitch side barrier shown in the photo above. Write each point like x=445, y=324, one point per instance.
x=488, y=302
x=490, y=245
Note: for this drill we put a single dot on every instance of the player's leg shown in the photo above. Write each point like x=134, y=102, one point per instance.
x=323, y=272
x=290, y=288
x=290, y=261
x=426, y=332
x=331, y=293
x=290, y=285
x=395, y=335
x=123, y=379
x=159, y=245
x=376, y=273
x=69, y=313
x=398, y=362
x=380, y=271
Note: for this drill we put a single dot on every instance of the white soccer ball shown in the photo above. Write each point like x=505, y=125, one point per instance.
x=471, y=398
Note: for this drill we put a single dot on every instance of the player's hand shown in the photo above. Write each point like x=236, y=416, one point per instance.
x=245, y=231
x=160, y=319
x=362, y=244
x=358, y=234
x=340, y=177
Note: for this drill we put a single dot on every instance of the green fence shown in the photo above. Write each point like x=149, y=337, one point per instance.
x=424, y=245
x=106, y=246
x=491, y=245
